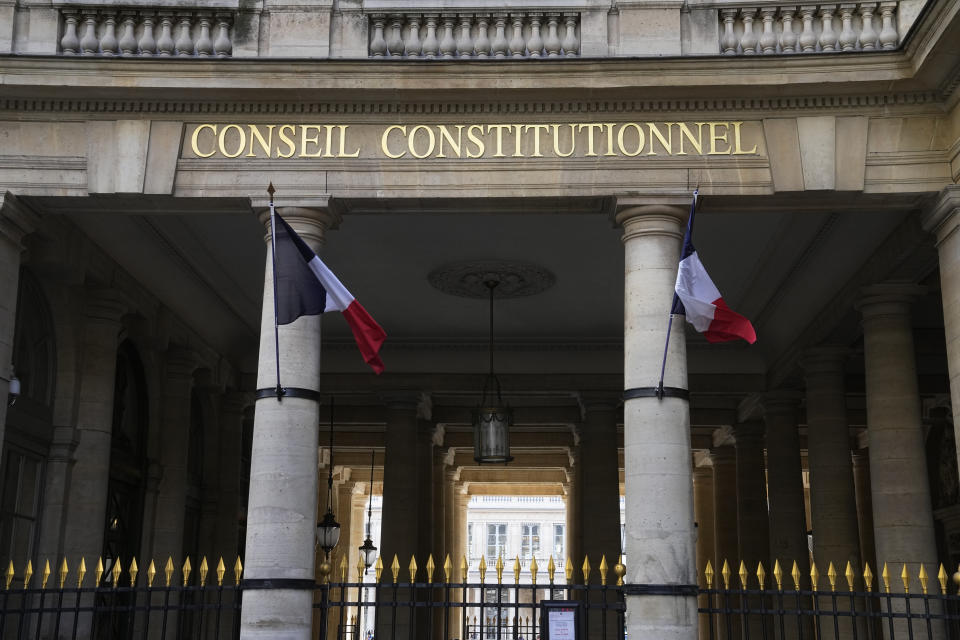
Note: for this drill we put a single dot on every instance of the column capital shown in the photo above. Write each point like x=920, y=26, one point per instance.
x=780, y=402
x=943, y=219
x=401, y=399
x=723, y=454
x=234, y=402
x=749, y=432
x=824, y=359
x=16, y=218
x=599, y=401
x=655, y=215
x=106, y=305
x=181, y=363
x=887, y=299
x=310, y=223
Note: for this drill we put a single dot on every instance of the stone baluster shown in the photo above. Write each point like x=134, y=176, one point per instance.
x=728, y=43
x=378, y=45
x=482, y=44
x=748, y=41
x=808, y=39
x=165, y=41
x=828, y=37
x=108, y=41
x=788, y=39
x=222, y=46
x=517, y=45
x=147, y=44
x=499, y=46
x=552, y=42
x=448, y=45
x=70, y=43
x=888, y=32
x=571, y=44
x=768, y=39
x=184, y=43
x=204, y=43
x=431, y=46
x=535, y=43
x=848, y=39
x=464, y=41
x=128, y=39
x=868, y=35
x=412, y=47
x=89, y=43
x=395, y=37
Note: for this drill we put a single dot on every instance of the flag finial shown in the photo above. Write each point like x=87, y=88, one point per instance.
x=271, y=191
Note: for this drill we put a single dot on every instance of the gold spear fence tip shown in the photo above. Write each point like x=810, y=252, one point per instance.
x=412, y=569
x=761, y=575
x=848, y=574
x=551, y=569
x=395, y=569
x=431, y=567
x=867, y=577
x=168, y=570
x=725, y=572
x=814, y=576
x=905, y=578
x=27, y=574
x=116, y=573
x=464, y=568
x=603, y=570
x=204, y=568
x=237, y=571
x=499, y=568
x=151, y=573
x=533, y=570
x=343, y=568
x=585, y=567
x=98, y=572
x=187, y=568
x=516, y=570
x=378, y=567
x=64, y=569
x=795, y=574
x=360, y=567
x=942, y=578
x=482, y=568
x=620, y=570
x=708, y=574
x=45, y=575
x=832, y=576
x=447, y=569
x=221, y=570
x=568, y=570
x=81, y=572
x=778, y=574
x=743, y=574
x=923, y=578
x=9, y=575
x=885, y=574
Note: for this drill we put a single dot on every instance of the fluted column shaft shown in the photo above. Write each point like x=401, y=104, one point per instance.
x=282, y=507
x=660, y=540
x=902, y=511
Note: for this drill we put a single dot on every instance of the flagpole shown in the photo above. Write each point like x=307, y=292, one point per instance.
x=666, y=343
x=276, y=312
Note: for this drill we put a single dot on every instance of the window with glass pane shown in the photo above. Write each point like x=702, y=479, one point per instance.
x=530, y=540
x=558, y=541
x=496, y=540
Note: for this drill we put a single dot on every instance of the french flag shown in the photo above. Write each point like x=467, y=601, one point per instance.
x=306, y=287
x=696, y=297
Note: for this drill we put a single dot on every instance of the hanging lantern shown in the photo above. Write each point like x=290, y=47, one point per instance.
x=492, y=417
x=328, y=529
x=367, y=550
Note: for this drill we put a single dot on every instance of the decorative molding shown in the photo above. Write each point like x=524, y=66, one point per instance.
x=273, y=109
x=514, y=278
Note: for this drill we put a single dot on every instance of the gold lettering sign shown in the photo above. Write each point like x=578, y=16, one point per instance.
x=471, y=141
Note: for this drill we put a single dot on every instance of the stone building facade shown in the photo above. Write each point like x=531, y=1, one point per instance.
x=419, y=146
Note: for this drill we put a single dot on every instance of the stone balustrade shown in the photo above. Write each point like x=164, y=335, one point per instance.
x=474, y=35
x=826, y=28
x=139, y=32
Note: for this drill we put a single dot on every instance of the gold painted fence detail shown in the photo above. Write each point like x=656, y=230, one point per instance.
x=473, y=140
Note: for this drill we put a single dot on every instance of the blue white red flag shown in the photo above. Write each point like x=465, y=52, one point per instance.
x=305, y=287
x=696, y=297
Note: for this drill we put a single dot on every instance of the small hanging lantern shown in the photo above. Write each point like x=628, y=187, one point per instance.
x=492, y=417
x=328, y=529
x=367, y=550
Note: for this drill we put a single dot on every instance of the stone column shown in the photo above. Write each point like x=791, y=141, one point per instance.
x=703, y=514
x=902, y=511
x=89, y=478
x=175, y=426
x=16, y=221
x=232, y=405
x=944, y=221
x=460, y=535
x=788, y=526
x=833, y=504
x=660, y=540
x=726, y=544
x=753, y=526
x=861, y=482
x=571, y=505
x=282, y=508
x=598, y=486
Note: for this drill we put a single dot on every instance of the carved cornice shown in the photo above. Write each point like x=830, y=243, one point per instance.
x=626, y=107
